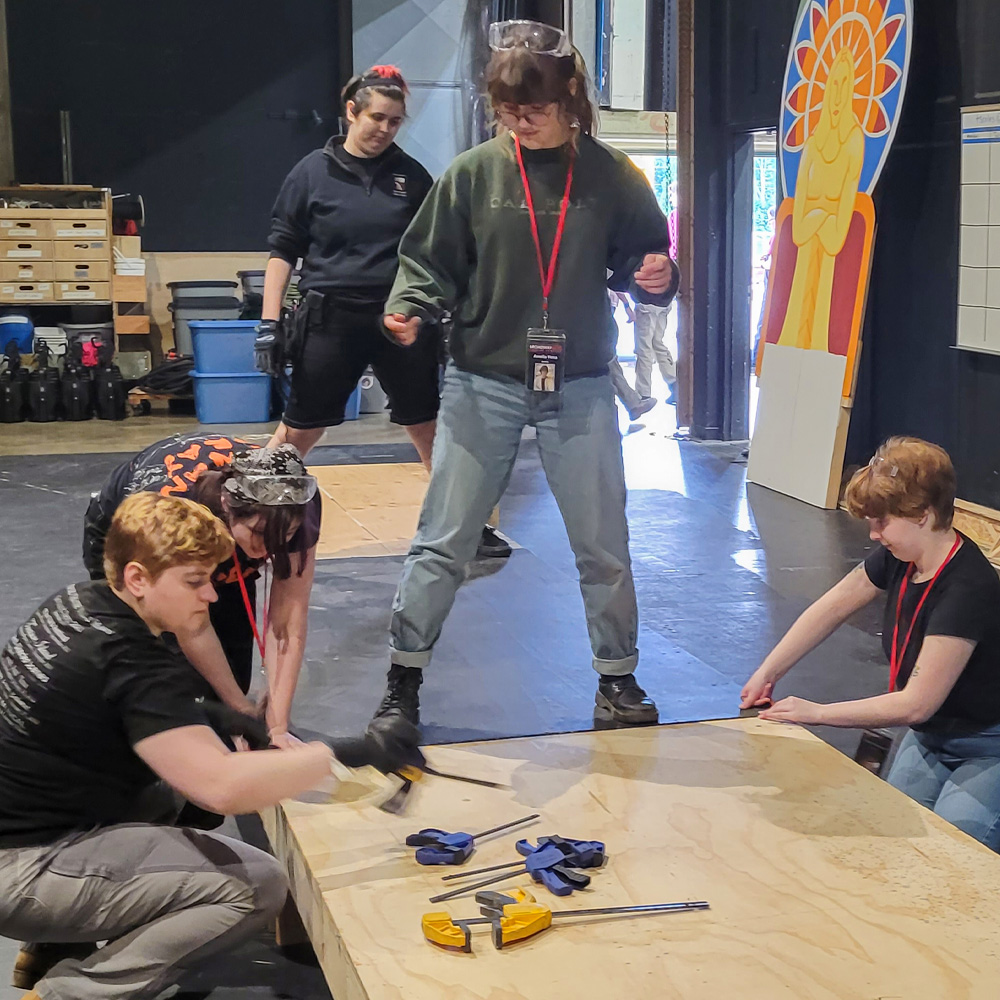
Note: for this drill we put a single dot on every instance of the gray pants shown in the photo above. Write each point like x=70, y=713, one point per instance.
x=163, y=898
x=650, y=348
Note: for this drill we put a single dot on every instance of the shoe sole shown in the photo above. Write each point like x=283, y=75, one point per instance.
x=23, y=979
x=639, y=716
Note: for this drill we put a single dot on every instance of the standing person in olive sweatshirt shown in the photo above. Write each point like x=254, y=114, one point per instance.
x=342, y=210
x=515, y=240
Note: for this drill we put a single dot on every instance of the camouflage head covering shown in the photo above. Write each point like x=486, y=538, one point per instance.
x=273, y=477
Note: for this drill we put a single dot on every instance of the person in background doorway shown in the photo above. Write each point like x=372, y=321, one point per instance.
x=941, y=635
x=651, y=347
x=634, y=404
x=342, y=211
x=273, y=509
x=101, y=737
x=477, y=250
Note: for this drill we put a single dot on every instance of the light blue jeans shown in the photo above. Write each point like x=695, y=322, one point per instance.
x=478, y=434
x=957, y=774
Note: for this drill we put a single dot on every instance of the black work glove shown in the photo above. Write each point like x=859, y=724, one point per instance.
x=388, y=745
x=267, y=347
x=227, y=722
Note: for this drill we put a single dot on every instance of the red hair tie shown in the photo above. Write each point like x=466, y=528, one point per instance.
x=389, y=72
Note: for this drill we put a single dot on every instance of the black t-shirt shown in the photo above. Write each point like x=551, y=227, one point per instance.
x=81, y=682
x=173, y=467
x=965, y=603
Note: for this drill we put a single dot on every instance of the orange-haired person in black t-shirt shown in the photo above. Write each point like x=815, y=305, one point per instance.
x=941, y=635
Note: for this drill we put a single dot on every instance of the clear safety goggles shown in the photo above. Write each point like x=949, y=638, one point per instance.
x=272, y=491
x=542, y=39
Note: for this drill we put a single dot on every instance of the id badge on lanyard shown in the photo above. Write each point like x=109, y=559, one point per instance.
x=545, y=361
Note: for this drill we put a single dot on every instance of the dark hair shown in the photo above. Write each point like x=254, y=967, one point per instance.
x=384, y=80
x=520, y=76
x=276, y=523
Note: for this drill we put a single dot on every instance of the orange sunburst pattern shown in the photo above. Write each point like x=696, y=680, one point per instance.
x=862, y=27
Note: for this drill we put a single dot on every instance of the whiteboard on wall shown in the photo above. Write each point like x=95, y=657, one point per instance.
x=979, y=234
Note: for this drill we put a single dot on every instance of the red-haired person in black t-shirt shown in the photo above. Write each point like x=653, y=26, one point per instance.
x=941, y=635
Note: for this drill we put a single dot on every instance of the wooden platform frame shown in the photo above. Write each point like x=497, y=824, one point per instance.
x=824, y=881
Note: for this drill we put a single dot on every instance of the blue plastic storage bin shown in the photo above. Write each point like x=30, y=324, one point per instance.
x=232, y=398
x=19, y=328
x=223, y=346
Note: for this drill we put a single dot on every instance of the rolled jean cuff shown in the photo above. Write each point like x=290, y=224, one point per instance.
x=402, y=658
x=617, y=668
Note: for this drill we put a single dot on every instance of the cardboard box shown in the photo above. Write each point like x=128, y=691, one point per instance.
x=27, y=291
x=126, y=324
x=95, y=228
x=27, y=270
x=83, y=291
x=25, y=229
x=82, y=270
x=82, y=250
x=25, y=250
x=129, y=287
x=130, y=246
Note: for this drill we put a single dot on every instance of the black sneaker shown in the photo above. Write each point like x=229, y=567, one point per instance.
x=401, y=695
x=623, y=699
x=491, y=545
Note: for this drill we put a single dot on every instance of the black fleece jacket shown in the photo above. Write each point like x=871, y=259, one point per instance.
x=344, y=222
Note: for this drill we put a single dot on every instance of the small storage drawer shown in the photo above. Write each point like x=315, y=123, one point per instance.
x=25, y=250
x=13, y=270
x=80, y=229
x=83, y=291
x=25, y=229
x=82, y=270
x=26, y=291
x=81, y=250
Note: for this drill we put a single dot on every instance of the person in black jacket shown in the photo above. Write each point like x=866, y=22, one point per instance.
x=343, y=210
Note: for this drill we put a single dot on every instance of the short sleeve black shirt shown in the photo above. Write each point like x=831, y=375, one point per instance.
x=81, y=682
x=965, y=603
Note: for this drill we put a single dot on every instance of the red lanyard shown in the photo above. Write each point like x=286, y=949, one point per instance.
x=548, y=279
x=249, y=606
x=896, y=659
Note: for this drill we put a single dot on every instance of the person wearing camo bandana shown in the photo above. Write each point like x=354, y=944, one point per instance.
x=272, y=508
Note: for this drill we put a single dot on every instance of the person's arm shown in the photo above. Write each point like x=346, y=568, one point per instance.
x=276, y=278
x=196, y=763
x=814, y=625
x=639, y=247
x=285, y=643
x=942, y=659
x=434, y=256
x=205, y=653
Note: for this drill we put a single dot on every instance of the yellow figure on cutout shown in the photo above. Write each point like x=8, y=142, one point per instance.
x=825, y=192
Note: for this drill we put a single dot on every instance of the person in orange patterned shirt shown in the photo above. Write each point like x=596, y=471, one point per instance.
x=273, y=509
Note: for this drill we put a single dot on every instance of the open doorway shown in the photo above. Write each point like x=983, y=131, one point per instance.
x=765, y=204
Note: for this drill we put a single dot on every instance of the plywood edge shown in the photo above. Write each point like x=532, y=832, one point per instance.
x=338, y=969
x=982, y=525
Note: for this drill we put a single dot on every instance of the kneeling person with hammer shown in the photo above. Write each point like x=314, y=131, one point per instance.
x=101, y=737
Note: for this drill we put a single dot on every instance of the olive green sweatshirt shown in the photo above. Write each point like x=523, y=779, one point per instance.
x=469, y=251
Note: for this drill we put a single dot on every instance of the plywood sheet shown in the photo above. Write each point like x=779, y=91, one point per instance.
x=370, y=509
x=824, y=882
x=801, y=430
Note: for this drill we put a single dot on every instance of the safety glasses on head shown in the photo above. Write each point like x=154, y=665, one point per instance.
x=542, y=39
x=274, y=477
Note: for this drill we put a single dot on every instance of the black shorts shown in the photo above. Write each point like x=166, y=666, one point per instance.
x=335, y=357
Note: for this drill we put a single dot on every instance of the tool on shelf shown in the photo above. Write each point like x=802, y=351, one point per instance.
x=439, y=847
x=518, y=916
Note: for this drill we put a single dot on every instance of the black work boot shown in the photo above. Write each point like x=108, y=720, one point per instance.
x=491, y=545
x=401, y=695
x=624, y=701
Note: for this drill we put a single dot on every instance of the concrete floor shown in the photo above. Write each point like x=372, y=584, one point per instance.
x=721, y=568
